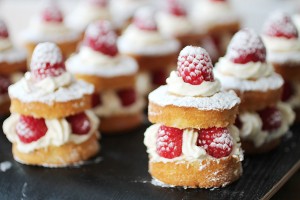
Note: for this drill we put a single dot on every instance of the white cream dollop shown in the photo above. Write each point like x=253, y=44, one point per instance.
x=251, y=70
x=189, y=147
x=5, y=44
x=59, y=133
x=176, y=85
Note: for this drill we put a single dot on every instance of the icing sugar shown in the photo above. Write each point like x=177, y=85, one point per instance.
x=144, y=16
x=219, y=101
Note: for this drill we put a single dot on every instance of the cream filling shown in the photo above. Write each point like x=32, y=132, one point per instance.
x=59, y=133
x=296, y=19
x=190, y=151
x=112, y=105
x=252, y=126
x=251, y=70
x=176, y=85
x=143, y=83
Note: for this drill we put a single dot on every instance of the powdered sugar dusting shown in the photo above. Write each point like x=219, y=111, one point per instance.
x=219, y=101
x=45, y=53
x=144, y=18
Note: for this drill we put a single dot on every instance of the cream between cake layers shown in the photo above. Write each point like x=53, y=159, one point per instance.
x=153, y=52
x=113, y=75
x=263, y=118
x=193, y=142
x=282, y=42
x=49, y=26
x=50, y=124
x=12, y=66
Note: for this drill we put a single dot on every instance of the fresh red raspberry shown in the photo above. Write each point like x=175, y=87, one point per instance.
x=47, y=61
x=4, y=83
x=169, y=142
x=96, y=100
x=159, y=77
x=3, y=29
x=98, y=3
x=271, y=118
x=101, y=37
x=52, y=13
x=80, y=124
x=30, y=129
x=216, y=141
x=144, y=19
x=127, y=96
x=176, y=8
x=280, y=24
x=246, y=46
x=288, y=91
x=194, y=65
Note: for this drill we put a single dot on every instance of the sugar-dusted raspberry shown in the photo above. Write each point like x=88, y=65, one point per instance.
x=47, y=61
x=169, y=142
x=271, y=118
x=144, y=19
x=80, y=123
x=101, y=37
x=99, y=3
x=246, y=46
x=216, y=141
x=127, y=96
x=3, y=29
x=175, y=7
x=194, y=65
x=52, y=13
x=280, y=24
x=30, y=129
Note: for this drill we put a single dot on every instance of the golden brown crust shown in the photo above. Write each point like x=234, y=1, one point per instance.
x=120, y=124
x=10, y=68
x=257, y=100
x=289, y=71
x=53, y=111
x=203, y=174
x=250, y=149
x=65, y=155
x=154, y=63
x=112, y=83
x=190, y=117
x=221, y=28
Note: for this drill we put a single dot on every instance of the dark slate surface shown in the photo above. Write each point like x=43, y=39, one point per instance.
x=120, y=172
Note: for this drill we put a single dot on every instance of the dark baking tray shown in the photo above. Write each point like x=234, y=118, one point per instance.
x=120, y=172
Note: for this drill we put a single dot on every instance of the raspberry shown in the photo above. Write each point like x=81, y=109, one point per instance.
x=159, y=77
x=4, y=83
x=101, y=37
x=80, y=124
x=280, y=24
x=127, y=96
x=176, y=8
x=30, y=129
x=99, y=3
x=52, y=13
x=288, y=91
x=246, y=46
x=169, y=142
x=194, y=65
x=216, y=141
x=271, y=118
x=47, y=61
x=3, y=29
x=144, y=19
x=96, y=100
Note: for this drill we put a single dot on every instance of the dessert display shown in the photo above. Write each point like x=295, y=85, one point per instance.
x=193, y=142
x=153, y=52
x=99, y=62
x=51, y=124
x=263, y=119
x=86, y=12
x=217, y=20
x=49, y=26
x=283, y=45
x=12, y=66
x=174, y=22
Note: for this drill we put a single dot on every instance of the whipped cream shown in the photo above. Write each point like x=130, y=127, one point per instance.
x=5, y=44
x=96, y=63
x=112, y=105
x=296, y=20
x=176, y=85
x=49, y=90
x=138, y=41
x=251, y=70
x=162, y=97
x=171, y=25
x=86, y=13
x=272, y=82
x=59, y=133
x=12, y=55
x=143, y=83
x=190, y=151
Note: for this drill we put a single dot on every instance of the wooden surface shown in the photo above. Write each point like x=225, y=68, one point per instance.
x=120, y=172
